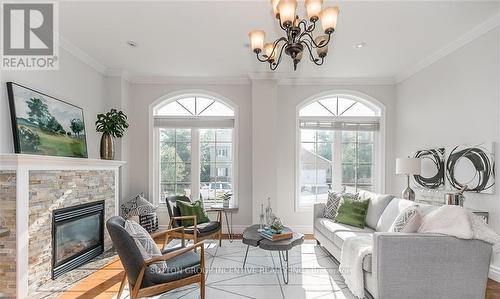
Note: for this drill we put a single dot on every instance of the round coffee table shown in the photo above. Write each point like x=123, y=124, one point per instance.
x=252, y=237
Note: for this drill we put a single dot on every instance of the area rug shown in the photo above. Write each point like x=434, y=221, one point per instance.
x=313, y=274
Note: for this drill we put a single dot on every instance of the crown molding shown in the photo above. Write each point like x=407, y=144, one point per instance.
x=463, y=40
x=159, y=79
x=117, y=73
x=337, y=81
x=81, y=55
x=285, y=79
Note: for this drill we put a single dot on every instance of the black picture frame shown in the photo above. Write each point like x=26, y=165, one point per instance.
x=75, y=148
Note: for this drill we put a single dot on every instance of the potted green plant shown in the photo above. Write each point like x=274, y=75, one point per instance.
x=111, y=125
x=226, y=197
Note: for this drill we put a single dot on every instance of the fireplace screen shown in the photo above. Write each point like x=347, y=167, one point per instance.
x=77, y=236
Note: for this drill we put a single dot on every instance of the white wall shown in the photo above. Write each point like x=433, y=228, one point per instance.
x=454, y=101
x=265, y=113
x=74, y=82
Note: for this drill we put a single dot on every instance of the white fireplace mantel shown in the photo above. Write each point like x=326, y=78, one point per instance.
x=36, y=162
x=22, y=164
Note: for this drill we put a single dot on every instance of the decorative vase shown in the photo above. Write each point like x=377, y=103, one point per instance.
x=269, y=211
x=107, y=147
x=225, y=203
x=261, y=217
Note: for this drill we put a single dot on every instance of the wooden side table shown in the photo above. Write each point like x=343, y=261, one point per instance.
x=229, y=219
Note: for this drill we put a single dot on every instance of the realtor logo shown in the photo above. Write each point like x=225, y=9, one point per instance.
x=29, y=40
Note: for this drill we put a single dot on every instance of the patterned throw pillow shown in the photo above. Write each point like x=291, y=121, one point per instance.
x=138, y=206
x=146, y=245
x=332, y=204
x=352, y=211
x=408, y=221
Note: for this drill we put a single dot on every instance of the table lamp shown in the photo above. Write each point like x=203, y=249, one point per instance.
x=408, y=166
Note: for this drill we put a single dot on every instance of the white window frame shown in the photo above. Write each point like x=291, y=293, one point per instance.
x=378, y=163
x=154, y=142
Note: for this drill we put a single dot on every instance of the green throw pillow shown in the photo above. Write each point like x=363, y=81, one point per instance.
x=192, y=209
x=352, y=212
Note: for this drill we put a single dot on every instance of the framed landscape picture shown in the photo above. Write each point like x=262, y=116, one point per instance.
x=44, y=125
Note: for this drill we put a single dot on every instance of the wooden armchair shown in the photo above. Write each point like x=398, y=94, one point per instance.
x=185, y=265
x=196, y=232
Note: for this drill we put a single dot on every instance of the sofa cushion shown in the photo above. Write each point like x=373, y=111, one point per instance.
x=377, y=205
x=340, y=236
x=328, y=227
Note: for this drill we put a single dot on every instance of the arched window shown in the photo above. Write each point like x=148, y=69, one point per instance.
x=194, y=147
x=338, y=140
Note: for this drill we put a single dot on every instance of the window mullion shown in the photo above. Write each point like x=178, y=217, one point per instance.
x=195, y=164
x=337, y=160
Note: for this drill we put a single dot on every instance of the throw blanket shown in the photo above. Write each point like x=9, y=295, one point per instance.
x=354, y=250
x=458, y=222
x=447, y=220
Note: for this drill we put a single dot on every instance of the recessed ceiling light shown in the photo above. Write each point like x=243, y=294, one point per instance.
x=360, y=45
x=131, y=43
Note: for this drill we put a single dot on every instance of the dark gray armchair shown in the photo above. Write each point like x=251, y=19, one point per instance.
x=197, y=232
x=185, y=265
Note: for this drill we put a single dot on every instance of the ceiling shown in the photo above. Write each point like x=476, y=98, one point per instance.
x=209, y=38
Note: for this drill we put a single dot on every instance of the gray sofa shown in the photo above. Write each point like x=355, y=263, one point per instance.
x=409, y=265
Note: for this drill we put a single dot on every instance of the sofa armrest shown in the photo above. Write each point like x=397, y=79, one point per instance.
x=429, y=266
x=319, y=210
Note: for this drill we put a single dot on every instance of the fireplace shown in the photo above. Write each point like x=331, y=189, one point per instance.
x=77, y=236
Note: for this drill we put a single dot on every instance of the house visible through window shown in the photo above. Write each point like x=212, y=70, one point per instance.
x=195, y=148
x=337, y=142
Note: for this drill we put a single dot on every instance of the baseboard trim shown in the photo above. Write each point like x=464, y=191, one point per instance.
x=494, y=273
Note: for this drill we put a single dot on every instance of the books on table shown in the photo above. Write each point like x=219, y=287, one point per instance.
x=273, y=236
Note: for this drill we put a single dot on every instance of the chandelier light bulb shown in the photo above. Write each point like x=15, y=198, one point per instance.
x=287, y=11
x=268, y=51
x=257, y=40
x=328, y=17
x=313, y=8
x=274, y=4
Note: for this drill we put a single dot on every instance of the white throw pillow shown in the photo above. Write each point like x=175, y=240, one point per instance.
x=408, y=221
x=147, y=246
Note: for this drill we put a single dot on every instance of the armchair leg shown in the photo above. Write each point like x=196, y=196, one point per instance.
x=220, y=238
x=202, y=286
x=122, y=284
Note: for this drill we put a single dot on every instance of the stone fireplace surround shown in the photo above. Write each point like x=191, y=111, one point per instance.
x=31, y=187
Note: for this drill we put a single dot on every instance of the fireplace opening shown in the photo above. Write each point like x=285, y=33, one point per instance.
x=77, y=236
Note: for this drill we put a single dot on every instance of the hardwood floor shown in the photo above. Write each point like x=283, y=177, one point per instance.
x=492, y=290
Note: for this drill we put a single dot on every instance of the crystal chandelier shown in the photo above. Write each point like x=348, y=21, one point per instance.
x=298, y=33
